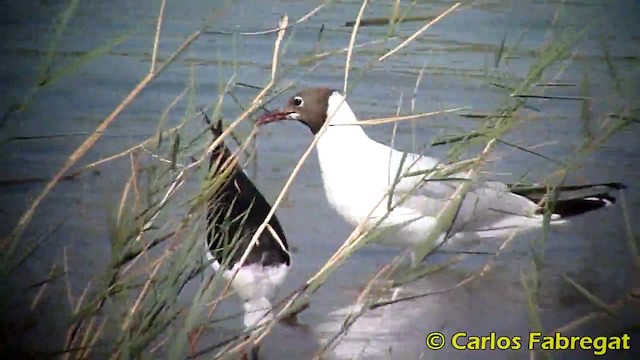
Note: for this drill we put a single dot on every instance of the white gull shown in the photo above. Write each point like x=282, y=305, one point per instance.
x=360, y=174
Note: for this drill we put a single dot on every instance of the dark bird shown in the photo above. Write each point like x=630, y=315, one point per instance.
x=235, y=210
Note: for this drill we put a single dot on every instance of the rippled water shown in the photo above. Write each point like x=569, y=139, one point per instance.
x=458, y=57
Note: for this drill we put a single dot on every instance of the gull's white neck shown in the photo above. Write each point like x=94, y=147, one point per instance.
x=343, y=139
x=342, y=122
x=346, y=154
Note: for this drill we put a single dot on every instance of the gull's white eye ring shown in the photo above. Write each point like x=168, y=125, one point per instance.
x=298, y=101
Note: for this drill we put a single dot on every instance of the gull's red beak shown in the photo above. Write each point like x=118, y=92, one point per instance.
x=274, y=116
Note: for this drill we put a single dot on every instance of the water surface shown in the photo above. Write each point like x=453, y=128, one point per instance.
x=458, y=57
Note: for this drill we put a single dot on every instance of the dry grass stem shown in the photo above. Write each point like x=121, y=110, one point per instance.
x=43, y=287
x=395, y=119
x=144, y=290
x=352, y=42
x=419, y=32
x=123, y=199
x=156, y=39
x=311, y=13
x=304, y=18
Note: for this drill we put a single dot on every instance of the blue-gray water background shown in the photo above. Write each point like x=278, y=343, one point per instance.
x=457, y=54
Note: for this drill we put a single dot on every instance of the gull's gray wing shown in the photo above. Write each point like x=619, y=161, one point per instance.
x=486, y=204
x=482, y=207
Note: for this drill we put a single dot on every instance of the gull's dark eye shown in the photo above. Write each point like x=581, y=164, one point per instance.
x=297, y=101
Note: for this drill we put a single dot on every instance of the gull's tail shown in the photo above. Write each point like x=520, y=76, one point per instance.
x=571, y=200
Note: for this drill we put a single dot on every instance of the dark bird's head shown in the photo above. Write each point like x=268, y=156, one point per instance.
x=309, y=106
x=220, y=154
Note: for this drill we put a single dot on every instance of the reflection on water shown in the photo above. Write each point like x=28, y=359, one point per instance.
x=458, y=57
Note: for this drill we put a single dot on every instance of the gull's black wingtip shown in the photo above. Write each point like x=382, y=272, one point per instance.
x=616, y=186
x=572, y=200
